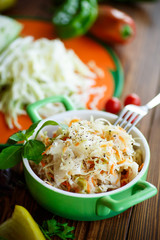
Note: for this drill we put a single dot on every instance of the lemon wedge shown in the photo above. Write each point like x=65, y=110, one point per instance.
x=20, y=226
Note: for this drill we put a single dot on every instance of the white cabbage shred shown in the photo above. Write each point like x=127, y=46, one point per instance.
x=89, y=157
x=33, y=70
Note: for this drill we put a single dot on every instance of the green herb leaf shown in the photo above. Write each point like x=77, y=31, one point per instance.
x=45, y=233
x=67, y=232
x=52, y=227
x=33, y=150
x=31, y=129
x=19, y=136
x=11, y=142
x=10, y=156
x=23, y=135
x=49, y=122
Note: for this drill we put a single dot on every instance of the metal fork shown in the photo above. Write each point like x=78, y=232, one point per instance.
x=132, y=112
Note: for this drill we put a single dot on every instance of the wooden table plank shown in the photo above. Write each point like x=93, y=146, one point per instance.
x=146, y=216
x=37, y=8
x=140, y=58
x=144, y=78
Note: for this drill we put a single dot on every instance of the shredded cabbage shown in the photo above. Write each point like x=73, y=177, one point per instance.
x=32, y=70
x=89, y=157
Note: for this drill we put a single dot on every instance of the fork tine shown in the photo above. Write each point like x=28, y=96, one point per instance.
x=126, y=116
x=132, y=112
x=135, y=122
x=132, y=117
x=120, y=117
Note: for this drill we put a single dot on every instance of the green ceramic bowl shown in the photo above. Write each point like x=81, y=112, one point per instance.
x=91, y=207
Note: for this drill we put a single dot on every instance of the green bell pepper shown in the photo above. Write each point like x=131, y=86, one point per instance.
x=74, y=18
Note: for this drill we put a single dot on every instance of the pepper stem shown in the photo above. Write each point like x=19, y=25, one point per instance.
x=126, y=31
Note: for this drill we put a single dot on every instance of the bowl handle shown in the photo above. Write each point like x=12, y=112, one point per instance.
x=32, y=109
x=141, y=191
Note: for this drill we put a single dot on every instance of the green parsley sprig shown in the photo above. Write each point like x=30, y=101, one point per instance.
x=32, y=149
x=52, y=228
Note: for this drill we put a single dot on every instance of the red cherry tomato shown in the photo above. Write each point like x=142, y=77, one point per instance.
x=113, y=105
x=132, y=98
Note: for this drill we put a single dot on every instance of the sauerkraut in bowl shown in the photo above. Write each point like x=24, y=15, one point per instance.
x=89, y=156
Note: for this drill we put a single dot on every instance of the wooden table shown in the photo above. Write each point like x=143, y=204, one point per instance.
x=141, y=62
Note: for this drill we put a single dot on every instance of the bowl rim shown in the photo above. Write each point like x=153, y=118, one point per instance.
x=92, y=195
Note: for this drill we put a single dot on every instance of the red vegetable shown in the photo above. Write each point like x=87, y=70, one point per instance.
x=113, y=25
x=132, y=98
x=113, y=105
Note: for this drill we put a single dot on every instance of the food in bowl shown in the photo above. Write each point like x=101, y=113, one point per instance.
x=90, y=206
x=89, y=157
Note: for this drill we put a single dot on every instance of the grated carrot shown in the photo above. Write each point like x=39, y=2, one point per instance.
x=43, y=164
x=47, y=142
x=103, y=145
x=122, y=139
x=72, y=121
x=117, y=181
x=77, y=144
x=102, y=136
x=95, y=132
x=88, y=187
x=91, y=162
x=54, y=135
x=140, y=168
x=94, y=181
x=102, y=171
x=67, y=185
x=117, y=152
x=111, y=169
x=120, y=162
x=64, y=149
x=47, y=149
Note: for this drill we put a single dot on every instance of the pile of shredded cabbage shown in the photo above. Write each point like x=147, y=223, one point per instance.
x=89, y=157
x=33, y=70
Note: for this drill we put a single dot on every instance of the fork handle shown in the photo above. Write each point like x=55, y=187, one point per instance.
x=154, y=102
